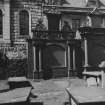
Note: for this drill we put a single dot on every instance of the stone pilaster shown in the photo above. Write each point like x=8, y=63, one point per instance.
x=69, y=57
x=6, y=21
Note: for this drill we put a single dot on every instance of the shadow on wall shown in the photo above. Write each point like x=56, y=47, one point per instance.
x=3, y=65
x=96, y=51
x=48, y=73
x=17, y=67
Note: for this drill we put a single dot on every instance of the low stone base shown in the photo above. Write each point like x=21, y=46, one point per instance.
x=38, y=75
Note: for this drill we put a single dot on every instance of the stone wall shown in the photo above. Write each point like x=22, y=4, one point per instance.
x=34, y=10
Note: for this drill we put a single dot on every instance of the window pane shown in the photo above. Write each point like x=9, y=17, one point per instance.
x=91, y=3
x=24, y=23
x=75, y=24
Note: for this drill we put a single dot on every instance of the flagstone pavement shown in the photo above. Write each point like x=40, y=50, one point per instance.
x=53, y=92
x=49, y=92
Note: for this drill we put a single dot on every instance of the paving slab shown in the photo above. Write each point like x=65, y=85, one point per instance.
x=4, y=85
x=15, y=95
x=53, y=92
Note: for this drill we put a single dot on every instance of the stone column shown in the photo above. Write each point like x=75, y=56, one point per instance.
x=74, y=65
x=34, y=60
x=86, y=53
x=40, y=60
x=40, y=47
x=69, y=63
x=6, y=21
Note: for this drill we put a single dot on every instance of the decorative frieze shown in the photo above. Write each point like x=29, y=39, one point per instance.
x=51, y=9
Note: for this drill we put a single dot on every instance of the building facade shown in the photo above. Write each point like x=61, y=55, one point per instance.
x=18, y=19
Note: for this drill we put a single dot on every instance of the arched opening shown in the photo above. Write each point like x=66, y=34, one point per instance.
x=1, y=24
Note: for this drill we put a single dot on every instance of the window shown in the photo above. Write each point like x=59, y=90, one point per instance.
x=1, y=24
x=97, y=21
x=24, y=22
x=92, y=3
x=75, y=24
